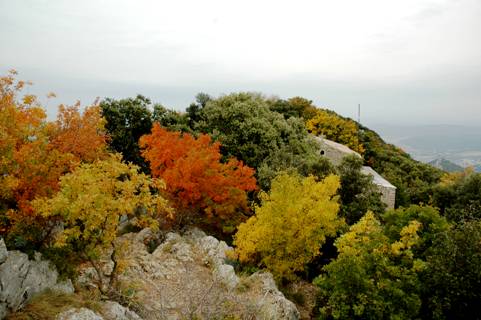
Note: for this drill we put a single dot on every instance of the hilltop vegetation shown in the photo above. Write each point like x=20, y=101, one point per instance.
x=446, y=165
x=245, y=168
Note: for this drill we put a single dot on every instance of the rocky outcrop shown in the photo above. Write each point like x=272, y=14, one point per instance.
x=21, y=278
x=114, y=311
x=79, y=314
x=110, y=310
x=189, y=277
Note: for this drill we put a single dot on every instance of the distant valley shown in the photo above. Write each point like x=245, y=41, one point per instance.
x=437, y=144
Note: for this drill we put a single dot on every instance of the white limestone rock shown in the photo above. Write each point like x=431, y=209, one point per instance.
x=78, y=314
x=114, y=311
x=21, y=278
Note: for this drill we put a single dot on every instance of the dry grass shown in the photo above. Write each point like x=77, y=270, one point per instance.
x=46, y=305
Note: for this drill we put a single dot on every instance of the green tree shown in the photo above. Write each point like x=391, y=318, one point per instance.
x=358, y=193
x=373, y=277
x=294, y=107
x=171, y=119
x=452, y=279
x=432, y=225
x=126, y=121
x=290, y=225
x=194, y=110
x=460, y=199
x=263, y=139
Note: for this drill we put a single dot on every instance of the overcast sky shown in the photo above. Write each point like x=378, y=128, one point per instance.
x=405, y=62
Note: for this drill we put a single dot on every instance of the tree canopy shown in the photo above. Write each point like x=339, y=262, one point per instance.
x=126, y=121
x=263, y=139
x=291, y=224
x=196, y=178
x=94, y=197
x=373, y=277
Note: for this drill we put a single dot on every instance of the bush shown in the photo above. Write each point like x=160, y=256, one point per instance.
x=290, y=225
x=452, y=279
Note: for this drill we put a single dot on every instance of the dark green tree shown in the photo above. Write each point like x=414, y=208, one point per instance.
x=194, y=110
x=433, y=224
x=171, y=119
x=461, y=199
x=294, y=107
x=126, y=121
x=263, y=139
x=358, y=193
x=452, y=279
x=373, y=277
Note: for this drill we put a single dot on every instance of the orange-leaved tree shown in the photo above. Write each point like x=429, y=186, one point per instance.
x=198, y=183
x=27, y=167
x=35, y=153
x=81, y=134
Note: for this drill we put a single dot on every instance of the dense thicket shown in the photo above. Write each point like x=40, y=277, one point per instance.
x=378, y=273
x=459, y=196
x=126, y=121
x=452, y=278
x=297, y=107
x=249, y=130
x=64, y=190
x=373, y=277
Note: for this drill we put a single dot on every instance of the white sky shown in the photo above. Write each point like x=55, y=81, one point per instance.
x=409, y=61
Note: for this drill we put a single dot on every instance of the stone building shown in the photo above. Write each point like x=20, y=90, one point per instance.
x=388, y=191
x=335, y=152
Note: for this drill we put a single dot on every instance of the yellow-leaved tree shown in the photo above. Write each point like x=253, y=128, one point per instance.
x=333, y=127
x=291, y=224
x=92, y=200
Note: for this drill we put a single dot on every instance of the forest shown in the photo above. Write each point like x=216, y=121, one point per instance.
x=245, y=168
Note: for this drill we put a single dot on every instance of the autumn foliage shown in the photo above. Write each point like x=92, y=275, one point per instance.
x=290, y=225
x=196, y=179
x=35, y=153
x=92, y=199
x=333, y=127
x=81, y=135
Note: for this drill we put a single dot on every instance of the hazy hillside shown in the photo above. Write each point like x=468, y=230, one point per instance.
x=446, y=165
x=458, y=144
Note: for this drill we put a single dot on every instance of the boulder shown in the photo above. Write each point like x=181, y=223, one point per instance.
x=21, y=278
x=273, y=304
x=114, y=311
x=78, y=314
x=226, y=275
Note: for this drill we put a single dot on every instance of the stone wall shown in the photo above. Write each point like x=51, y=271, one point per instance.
x=334, y=155
x=388, y=196
x=334, y=151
